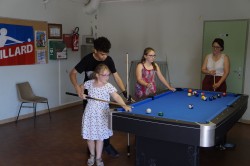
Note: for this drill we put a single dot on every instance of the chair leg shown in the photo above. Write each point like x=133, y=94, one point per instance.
x=49, y=110
x=19, y=112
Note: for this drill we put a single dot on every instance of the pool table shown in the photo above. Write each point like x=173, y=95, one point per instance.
x=174, y=136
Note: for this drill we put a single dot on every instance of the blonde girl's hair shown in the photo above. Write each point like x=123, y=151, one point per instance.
x=100, y=68
x=145, y=52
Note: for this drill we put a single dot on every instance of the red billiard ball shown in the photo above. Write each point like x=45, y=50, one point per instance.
x=189, y=90
x=202, y=94
x=224, y=94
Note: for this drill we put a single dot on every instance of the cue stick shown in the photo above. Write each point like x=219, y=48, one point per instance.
x=215, y=73
x=168, y=76
x=214, y=81
x=88, y=97
x=128, y=145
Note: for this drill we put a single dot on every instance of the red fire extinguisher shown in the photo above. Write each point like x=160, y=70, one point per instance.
x=75, y=39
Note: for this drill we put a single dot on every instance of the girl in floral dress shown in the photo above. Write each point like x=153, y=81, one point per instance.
x=95, y=118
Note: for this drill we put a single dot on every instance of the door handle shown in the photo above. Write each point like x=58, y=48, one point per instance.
x=238, y=72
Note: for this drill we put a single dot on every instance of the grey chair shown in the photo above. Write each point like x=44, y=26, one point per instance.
x=27, y=96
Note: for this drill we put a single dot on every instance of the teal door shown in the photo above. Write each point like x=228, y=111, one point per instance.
x=234, y=33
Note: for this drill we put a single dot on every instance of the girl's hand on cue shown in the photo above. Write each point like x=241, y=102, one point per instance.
x=127, y=108
x=84, y=96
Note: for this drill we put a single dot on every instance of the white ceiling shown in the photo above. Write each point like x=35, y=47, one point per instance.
x=104, y=1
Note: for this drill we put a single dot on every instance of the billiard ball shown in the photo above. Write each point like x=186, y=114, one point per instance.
x=202, y=94
x=189, y=90
x=224, y=94
x=194, y=93
x=205, y=98
x=218, y=95
x=151, y=96
x=214, y=97
x=210, y=98
x=189, y=94
x=160, y=114
x=197, y=94
x=148, y=110
x=190, y=106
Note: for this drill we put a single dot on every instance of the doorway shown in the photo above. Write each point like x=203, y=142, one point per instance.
x=234, y=33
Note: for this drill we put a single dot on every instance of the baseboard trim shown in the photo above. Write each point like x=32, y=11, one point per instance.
x=244, y=121
x=9, y=120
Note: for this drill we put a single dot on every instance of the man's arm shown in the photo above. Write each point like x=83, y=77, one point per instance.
x=119, y=82
x=73, y=79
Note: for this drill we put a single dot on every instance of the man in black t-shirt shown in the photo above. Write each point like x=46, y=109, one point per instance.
x=88, y=64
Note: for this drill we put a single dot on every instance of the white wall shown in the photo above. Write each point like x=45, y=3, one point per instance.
x=173, y=27
x=50, y=80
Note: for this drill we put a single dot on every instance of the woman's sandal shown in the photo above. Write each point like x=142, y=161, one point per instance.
x=91, y=160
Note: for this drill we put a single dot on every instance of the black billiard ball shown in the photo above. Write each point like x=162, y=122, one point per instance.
x=214, y=97
x=151, y=96
x=218, y=95
x=211, y=98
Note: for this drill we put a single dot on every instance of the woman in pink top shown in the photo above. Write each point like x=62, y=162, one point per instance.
x=216, y=66
x=145, y=75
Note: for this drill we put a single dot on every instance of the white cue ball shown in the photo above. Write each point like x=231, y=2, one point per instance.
x=148, y=110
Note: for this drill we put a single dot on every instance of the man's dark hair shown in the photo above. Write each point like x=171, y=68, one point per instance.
x=102, y=44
